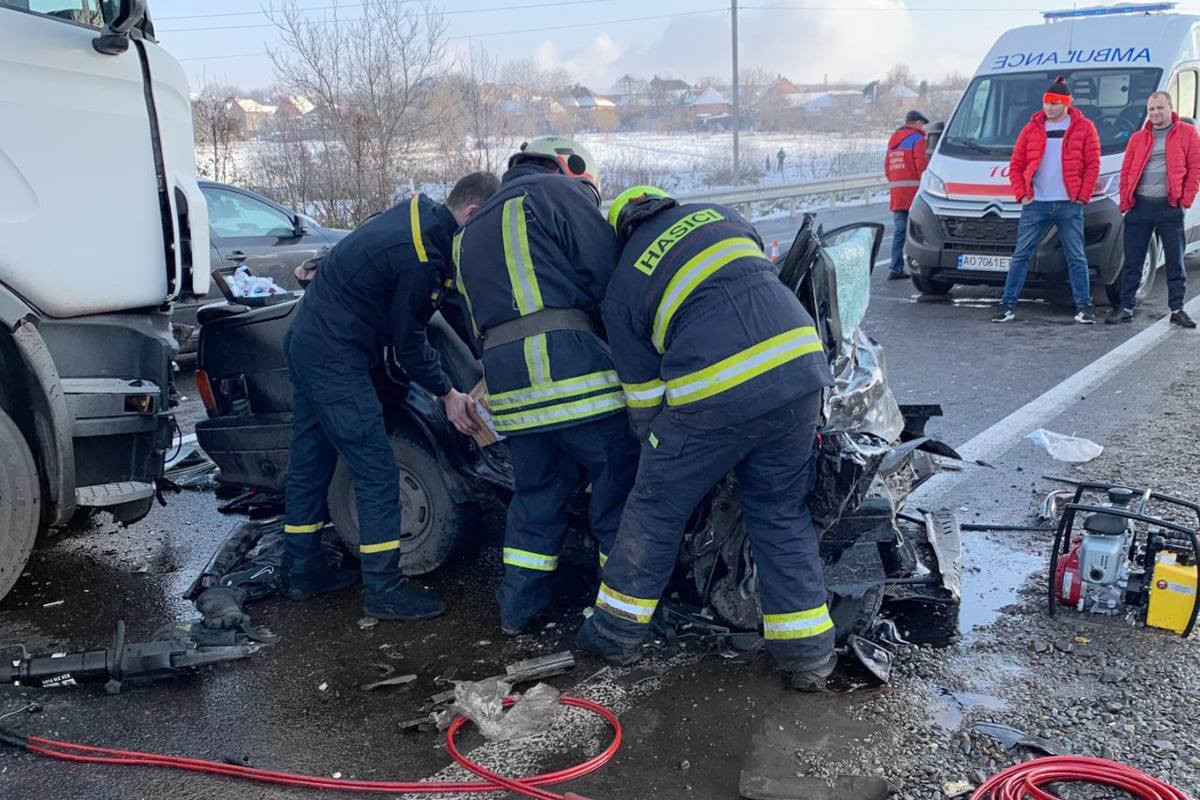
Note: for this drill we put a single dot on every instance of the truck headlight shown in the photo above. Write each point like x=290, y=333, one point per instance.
x=933, y=184
x=1107, y=185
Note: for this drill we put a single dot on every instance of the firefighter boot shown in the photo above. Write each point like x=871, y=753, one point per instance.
x=812, y=677
x=523, y=596
x=592, y=638
x=321, y=578
x=402, y=598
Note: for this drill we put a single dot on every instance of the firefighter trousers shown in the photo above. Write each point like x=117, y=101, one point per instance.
x=548, y=468
x=338, y=413
x=772, y=456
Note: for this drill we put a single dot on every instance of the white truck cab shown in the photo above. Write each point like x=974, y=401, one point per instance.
x=102, y=227
x=963, y=224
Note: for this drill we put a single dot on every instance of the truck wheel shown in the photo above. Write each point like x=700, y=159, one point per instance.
x=931, y=286
x=855, y=614
x=432, y=524
x=20, y=503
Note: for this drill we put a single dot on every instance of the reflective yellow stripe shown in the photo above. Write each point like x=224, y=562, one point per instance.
x=528, y=559
x=537, y=359
x=563, y=412
x=603, y=558
x=658, y=249
x=379, y=547
x=553, y=390
x=653, y=440
x=625, y=606
x=414, y=218
x=644, y=395
x=691, y=275
x=741, y=367
x=313, y=528
x=516, y=257
x=456, y=255
x=798, y=624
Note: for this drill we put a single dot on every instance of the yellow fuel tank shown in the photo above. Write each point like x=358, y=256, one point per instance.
x=1172, y=592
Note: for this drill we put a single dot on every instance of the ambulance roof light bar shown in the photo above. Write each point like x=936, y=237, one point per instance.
x=1105, y=11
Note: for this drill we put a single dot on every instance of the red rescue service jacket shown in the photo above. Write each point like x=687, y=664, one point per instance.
x=1183, y=164
x=903, y=165
x=1080, y=156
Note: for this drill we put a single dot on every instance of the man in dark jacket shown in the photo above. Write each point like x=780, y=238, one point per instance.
x=905, y=161
x=533, y=265
x=723, y=370
x=1053, y=172
x=379, y=285
x=1160, y=175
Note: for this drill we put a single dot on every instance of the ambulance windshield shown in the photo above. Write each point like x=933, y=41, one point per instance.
x=994, y=108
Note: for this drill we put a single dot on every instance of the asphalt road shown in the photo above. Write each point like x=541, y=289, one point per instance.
x=297, y=704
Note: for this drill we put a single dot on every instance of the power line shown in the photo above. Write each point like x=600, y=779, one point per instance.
x=506, y=33
x=306, y=9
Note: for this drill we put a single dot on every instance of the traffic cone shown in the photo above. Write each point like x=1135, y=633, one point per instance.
x=774, y=249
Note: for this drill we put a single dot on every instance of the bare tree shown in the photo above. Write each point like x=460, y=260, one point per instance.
x=752, y=82
x=371, y=77
x=482, y=105
x=900, y=75
x=216, y=128
x=709, y=82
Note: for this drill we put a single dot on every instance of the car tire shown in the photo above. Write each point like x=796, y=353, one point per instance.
x=432, y=523
x=20, y=503
x=931, y=286
x=855, y=615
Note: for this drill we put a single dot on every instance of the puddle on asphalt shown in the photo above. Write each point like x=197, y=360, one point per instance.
x=955, y=705
x=992, y=575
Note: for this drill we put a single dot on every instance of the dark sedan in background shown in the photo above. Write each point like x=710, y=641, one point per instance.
x=247, y=228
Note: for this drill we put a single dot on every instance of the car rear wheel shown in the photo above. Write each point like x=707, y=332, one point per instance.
x=931, y=286
x=20, y=503
x=432, y=523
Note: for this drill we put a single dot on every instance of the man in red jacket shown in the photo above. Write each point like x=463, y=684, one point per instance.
x=1159, y=178
x=1053, y=172
x=903, y=165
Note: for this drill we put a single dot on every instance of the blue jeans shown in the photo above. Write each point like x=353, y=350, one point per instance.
x=1036, y=217
x=899, y=229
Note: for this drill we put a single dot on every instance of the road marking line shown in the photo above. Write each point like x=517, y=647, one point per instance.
x=1001, y=436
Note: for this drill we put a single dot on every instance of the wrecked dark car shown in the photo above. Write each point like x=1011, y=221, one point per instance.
x=873, y=453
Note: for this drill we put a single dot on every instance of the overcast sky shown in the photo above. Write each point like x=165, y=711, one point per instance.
x=599, y=40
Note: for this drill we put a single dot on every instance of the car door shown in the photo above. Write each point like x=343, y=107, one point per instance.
x=249, y=230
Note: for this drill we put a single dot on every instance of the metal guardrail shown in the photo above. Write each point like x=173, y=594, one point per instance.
x=855, y=185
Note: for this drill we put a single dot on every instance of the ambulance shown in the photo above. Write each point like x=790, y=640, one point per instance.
x=962, y=227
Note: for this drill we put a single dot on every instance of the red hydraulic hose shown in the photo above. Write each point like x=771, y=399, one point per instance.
x=529, y=786
x=1027, y=780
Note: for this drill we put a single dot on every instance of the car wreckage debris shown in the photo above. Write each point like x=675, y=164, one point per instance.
x=526, y=671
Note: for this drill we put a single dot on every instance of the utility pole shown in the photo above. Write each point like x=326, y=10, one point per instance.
x=737, y=173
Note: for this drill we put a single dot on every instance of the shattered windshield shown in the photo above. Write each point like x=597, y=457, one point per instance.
x=995, y=108
x=850, y=252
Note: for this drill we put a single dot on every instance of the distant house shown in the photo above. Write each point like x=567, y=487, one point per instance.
x=252, y=115
x=668, y=88
x=294, y=106
x=782, y=93
x=708, y=103
x=585, y=99
x=903, y=93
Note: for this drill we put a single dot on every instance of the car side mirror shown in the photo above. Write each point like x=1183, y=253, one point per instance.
x=932, y=134
x=299, y=226
x=114, y=40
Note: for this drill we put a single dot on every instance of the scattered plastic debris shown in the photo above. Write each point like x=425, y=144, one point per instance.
x=957, y=788
x=1061, y=447
x=398, y=680
x=243, y=284
x=1010, y=737
x=482, y=702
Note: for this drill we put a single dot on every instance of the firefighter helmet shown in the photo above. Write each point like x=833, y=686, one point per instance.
x=568, y=156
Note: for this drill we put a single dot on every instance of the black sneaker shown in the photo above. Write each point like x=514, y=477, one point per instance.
x=1181, y=319
x=893, y=275
x=404, y=599
x=1085, y=316
x=1005, y=314
x=1118, y=314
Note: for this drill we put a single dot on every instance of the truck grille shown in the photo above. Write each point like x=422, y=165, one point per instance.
x=989, y=234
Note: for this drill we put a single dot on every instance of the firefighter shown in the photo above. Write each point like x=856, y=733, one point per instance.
x=723, y=370
x=379, y=285
x=532, y=266
x=903, y=165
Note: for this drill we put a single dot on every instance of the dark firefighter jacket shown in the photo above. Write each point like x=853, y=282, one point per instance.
x=380, y=285
x=540, y=243
x=699, y=321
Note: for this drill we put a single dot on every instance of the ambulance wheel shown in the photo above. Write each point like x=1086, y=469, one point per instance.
x=432, y=523
x=931, y=286
x=20, y=503
x=855, y=614
x=1112, y=291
